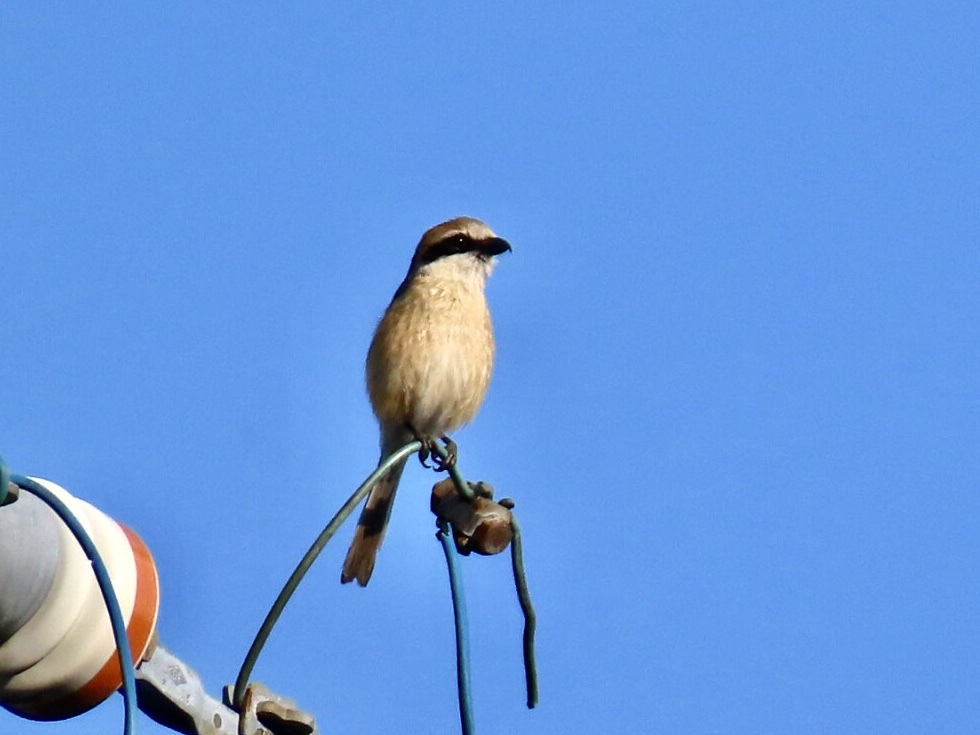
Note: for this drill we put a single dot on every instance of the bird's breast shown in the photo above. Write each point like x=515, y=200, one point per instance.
x=430, y=362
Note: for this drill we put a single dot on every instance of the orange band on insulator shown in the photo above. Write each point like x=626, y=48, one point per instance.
x=139, y=630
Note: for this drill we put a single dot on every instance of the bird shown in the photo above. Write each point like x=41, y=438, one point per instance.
x=429, y=364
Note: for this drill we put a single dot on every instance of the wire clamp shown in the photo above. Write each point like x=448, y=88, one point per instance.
x=480, y=526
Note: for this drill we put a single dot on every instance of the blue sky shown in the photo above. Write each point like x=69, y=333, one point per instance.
x=736, y=397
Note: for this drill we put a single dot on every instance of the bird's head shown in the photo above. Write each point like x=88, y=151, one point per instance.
x=462, y=244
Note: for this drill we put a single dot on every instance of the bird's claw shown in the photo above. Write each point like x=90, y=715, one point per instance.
x=438, y=463
x=425, y=452
x=452, y=453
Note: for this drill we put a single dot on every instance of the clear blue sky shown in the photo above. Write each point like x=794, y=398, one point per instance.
x=737, y=388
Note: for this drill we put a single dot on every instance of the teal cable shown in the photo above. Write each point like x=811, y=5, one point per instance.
x=462, y=634
x=4, y=481
x=461, y=484
x=105, y=585
x=304, y=565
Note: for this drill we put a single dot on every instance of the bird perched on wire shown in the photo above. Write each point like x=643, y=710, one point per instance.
x=429, y=363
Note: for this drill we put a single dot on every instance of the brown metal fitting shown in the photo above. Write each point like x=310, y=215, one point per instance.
x=264, y=712
x=481, y=526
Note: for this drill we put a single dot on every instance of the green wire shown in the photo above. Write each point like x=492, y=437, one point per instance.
x=461, y=484
x=105, y=585
x=530, y=619
x=304, y=565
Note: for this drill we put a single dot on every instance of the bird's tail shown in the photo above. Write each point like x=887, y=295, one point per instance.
x=371, y=526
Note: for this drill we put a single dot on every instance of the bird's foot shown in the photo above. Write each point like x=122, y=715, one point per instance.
x=438, y=463
x=451, y=455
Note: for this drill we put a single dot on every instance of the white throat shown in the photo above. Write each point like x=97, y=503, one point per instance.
x=468, y=269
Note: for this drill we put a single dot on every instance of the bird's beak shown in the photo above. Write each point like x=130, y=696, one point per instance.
x=494, y=246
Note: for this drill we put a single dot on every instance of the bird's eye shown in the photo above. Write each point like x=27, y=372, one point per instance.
x=450, y=245
x=457, y=244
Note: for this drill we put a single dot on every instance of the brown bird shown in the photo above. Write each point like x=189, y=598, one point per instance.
x=429, y=363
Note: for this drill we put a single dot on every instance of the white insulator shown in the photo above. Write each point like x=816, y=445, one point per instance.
x=57, y=651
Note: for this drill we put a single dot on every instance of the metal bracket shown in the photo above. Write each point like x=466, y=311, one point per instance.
x=172, y=694
x=267, y=713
